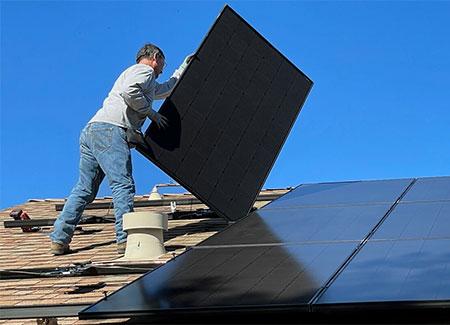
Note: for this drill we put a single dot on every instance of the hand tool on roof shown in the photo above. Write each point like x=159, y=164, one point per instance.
x=18, y=214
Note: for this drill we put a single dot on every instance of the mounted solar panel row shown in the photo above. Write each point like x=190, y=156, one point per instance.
x=317, y=212
x=303, y=258
x=228, y=117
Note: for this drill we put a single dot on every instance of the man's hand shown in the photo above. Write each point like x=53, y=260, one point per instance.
x=178, y=72
x=160, y=120
x=187, y=60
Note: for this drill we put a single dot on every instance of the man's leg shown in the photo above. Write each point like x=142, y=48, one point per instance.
x=84, y=192
x=115, y=161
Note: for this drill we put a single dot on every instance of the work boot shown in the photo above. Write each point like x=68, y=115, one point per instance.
x=121, y=247
x=59, y=249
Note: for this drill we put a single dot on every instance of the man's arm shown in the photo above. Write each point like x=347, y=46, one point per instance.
x=163, y=90
x=138, y=80
x=133, y=94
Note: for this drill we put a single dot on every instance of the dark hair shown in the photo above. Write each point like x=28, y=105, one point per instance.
x=149, y=51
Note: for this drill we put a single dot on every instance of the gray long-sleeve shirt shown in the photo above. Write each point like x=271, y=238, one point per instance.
x=129, y=102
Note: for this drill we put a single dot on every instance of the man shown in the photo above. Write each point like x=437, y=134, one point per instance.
x=104, y=149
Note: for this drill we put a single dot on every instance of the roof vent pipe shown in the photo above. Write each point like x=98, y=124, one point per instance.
x=154, y=195
x=145, y=235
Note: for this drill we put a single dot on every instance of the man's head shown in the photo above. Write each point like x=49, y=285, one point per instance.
x=152, y=56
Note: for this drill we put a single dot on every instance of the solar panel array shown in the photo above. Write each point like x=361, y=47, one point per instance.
x=228, y=117
x=321, y=246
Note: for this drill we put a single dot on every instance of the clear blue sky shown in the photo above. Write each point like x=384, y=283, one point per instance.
x=380, y=106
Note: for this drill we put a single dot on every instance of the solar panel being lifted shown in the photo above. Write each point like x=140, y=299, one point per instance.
x=229, y=117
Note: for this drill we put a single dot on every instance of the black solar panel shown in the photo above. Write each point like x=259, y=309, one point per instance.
x=342, y=193
x=412, y=273
x=232, y=278
x=229, y=116
x=417, y=220
x=429, y=189
x=406, y=261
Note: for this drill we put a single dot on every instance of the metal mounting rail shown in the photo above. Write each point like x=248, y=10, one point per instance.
x=89, y=220
x=43, y=222
x=163, y=202
x=80, y=269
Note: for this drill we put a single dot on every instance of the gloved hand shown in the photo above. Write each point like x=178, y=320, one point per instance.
x=188, y=59
x=178, y=72
x=160, y=120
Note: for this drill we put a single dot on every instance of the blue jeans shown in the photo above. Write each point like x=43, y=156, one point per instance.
x=103, y=151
